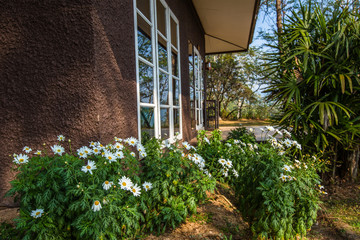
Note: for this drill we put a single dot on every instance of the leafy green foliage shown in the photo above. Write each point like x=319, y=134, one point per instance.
x=77, y=205
x=315, y=76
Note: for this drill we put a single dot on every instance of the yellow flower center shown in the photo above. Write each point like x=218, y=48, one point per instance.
x=21, y=160
x=59, y=150
x=147, y=186
x=81, y=154
x=124, y=184
x=95, y=150
x=88, y=167
x=96, y=203
x=103, y=153
x=109, y=157
x=37, y=213
x=106, y=182
x=132, y=142
x=134, y=190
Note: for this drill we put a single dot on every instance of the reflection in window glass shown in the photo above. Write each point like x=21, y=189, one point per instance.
x=161, y=18
x=147, y=122
x=176, y=120
x=174, y=63
x=173, y=28
x=146, y=83
x=144, y=40
x=190, y=52
x=163, y=59
x=191, y=74
x=144, y=7
x=192, y=94
x=164, y=88
x=164, y=119
x=176, y=92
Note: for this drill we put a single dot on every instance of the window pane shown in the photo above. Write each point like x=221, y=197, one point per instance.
x=191, y=74
x=144, y=39
x=146, y=83
x=176, y=92
x=144, y=7
x=174, y=63
x=161, y=18
x=164, y=118
x=147, y=122
x=190, y=52
x=164, y=88
x=163, y=58
x=173, y=27
x=176, y=120
x=192, y=94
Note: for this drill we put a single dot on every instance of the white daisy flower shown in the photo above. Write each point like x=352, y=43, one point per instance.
x=222, y=161
x=107, y=185
x=286, y=132
x=27, y=149
x=21, y=158
x=281, y=152
x=261, y=129
x=278, y=132
x=118, y=146
x=225, y=172
x=96, y=206
x=228, y=164
x=255, y=146
x=140, y=147
x=228, y=144
x=96, y=150
x=133, y=154
x=286, y=168
x=142, y=154
x=89, y=167
x=287, y=142
x=283, y=177
x=251, y=130
x=38, y=152
x=270, y=128
x=92, y=144
x=110, y=157
x=147, y=186
x=132, y=141
x=117, y=139
x=60, y=138
x=125, y=183
x=236, y=174
x=183, y=154
x=57, y=149
x=236, y=141
x=136, y=190
x=186, y=145
x=37, y=213
x=206, y=140
x=298, y=146
x=84, y=151
x=119, y=155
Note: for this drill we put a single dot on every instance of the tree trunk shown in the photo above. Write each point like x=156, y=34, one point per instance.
x=278, y=16
x=240, y=105
x=354, y=163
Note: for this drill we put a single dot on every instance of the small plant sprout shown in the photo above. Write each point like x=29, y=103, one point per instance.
x=27, y=149
x=89, y=167
x=60, y=138
x=37, y=213
x=96, y=206
x=21, y=158
x=147, y=186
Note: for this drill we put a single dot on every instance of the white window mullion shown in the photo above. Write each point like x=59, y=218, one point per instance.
x=156, y=76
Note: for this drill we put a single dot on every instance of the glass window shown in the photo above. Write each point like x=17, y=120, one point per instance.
x=158, y=69
x=161, y=18
x=147, y=121
x=144, y=7
x=146, y=83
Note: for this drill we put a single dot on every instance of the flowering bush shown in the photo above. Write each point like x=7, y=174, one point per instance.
x=278, y=188
x=105, y=191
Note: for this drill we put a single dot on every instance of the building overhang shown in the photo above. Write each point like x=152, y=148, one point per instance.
x=228, y=24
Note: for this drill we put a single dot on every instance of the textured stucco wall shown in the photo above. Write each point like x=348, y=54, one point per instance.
x=68, y=67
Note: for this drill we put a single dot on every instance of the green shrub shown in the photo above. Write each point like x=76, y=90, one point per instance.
x=106, y=192
x=278, y=194
x=241, y=133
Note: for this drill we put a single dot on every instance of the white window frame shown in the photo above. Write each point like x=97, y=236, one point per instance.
x=199, y=90
x=152, y=22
